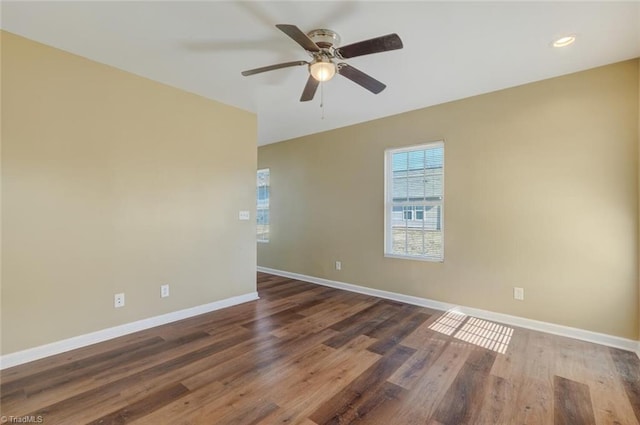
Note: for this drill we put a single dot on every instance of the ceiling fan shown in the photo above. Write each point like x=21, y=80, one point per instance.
x=321, y=44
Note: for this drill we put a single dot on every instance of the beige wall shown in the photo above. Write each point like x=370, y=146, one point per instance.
x=541, y=192
x=114, y=183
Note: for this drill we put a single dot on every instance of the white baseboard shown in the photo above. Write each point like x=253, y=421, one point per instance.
x=552, y=328
x=31, y=354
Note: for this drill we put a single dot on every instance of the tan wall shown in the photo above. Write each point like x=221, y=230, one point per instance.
x=114, y=183
x=541, y=191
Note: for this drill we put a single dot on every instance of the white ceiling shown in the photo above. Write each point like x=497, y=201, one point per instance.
x=451, y=50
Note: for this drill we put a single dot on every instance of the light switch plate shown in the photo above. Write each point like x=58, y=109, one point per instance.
x=244, y=215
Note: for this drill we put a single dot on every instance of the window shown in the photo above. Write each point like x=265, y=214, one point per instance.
x=414, y=194
x=262, y=210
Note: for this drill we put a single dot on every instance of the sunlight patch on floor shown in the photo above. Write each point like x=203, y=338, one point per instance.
x=482, y=333
x=448, y=323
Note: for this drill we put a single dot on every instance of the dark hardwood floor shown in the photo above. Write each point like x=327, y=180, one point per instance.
x=306, y=354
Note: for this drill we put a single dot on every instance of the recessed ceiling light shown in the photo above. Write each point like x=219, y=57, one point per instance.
x=564, y=41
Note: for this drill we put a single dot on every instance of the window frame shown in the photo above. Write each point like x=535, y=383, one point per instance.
x=389, y=203
x=268, y=208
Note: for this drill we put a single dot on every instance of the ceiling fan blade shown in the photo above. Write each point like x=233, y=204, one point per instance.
x=359, y=77
x=299, y=37
x=272, y=67
x=367, y=47
x=309, y=89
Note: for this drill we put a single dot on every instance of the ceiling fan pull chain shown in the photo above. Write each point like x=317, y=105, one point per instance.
x=322, y=99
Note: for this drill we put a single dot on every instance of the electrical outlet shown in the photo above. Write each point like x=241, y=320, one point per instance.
x=164, y=291
x=338, y=265
x=518, y=293
x=118, y=300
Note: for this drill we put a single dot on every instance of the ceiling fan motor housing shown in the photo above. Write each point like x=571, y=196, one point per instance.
x=324, y=38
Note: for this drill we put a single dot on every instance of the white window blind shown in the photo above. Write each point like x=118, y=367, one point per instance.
x=414, y=194
x=262, y=209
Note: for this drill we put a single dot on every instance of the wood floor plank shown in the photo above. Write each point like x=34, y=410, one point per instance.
x=96, y=379
x=281, y=289
x=393, y=335
x=274, y=321
x=572, y=403
x=360, y=323
x=331, y=296
x=515, y=356
x=107, y=365
x=31, y=383
x=368, y=313
x=591, y=363
x=143, y=406
x=113, y=395
x=394, y=322
x=65, y=359
x=427, y=387
x=255, y=383
x=251, y=364
x=386, y=394
x=423, y=333
x=494, y=400
x=351, y=400
x=531, y=373
x=337, y=369
x=178, y=409
x=309, y=389
x=628, y=366
x=312, y=323
x=294, y=290
x=310, y=355
x=461, y=404
x=418, y=365
x=249, y=373
x=250, y=413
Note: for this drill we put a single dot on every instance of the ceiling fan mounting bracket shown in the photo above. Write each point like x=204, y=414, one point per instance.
x=324, y=38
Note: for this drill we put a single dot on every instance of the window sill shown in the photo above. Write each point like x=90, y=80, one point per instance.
x=408, y=257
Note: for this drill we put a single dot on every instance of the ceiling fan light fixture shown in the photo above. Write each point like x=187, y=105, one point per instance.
x=564, y=41
x=322, y=70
